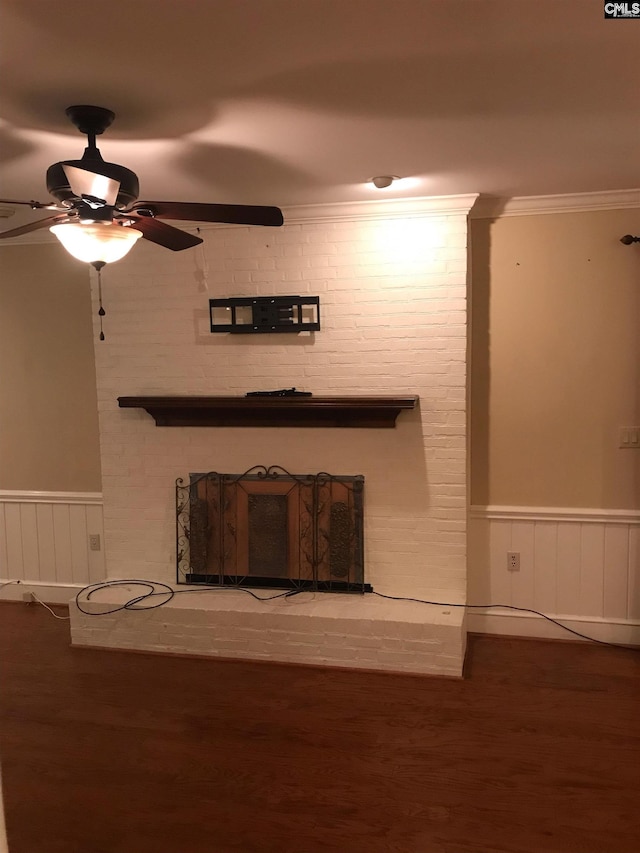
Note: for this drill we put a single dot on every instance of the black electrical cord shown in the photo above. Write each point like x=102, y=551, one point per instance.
x=521, y=610
x=138, y=602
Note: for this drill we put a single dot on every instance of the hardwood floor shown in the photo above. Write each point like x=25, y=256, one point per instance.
x=536, y=751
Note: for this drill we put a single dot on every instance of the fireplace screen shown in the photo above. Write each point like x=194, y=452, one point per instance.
x=270, y=528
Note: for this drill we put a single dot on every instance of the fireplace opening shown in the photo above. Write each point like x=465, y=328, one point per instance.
x=270, y=528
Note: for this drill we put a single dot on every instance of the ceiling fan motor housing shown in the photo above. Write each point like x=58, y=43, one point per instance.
x=58, y=185
x=92, y=121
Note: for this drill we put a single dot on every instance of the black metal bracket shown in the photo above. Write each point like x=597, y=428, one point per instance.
x=260, y=314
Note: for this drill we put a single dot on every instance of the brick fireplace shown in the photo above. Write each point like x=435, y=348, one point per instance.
x=392, y=282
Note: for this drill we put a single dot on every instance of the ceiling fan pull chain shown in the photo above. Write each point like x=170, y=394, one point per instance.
x=202, y=267
x=101, y=312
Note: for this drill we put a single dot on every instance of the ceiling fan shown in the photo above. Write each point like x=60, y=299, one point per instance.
x=98, y=217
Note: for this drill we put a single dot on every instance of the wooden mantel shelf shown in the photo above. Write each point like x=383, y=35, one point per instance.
x=371, y=412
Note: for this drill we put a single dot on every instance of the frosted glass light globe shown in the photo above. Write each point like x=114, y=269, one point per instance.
x=96, y=242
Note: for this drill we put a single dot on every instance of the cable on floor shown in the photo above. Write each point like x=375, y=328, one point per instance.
x=35, y=598
x=46, y=607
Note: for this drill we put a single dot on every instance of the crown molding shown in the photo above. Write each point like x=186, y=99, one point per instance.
x=446, y=205
x=355, y=211
x=491, y=207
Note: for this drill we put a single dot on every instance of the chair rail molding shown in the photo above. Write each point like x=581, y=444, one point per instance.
x=583, y=515
x=15, y=496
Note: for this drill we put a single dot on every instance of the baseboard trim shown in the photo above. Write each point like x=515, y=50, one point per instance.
x=50, y=593
x=512, y=624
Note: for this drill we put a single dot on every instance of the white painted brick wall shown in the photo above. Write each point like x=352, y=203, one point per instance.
x=393, y=308
x=330, y=630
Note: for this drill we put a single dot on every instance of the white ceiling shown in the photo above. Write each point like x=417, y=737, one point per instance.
x=301, y=101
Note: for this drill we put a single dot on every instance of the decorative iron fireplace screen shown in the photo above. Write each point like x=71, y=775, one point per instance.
x=270, y=528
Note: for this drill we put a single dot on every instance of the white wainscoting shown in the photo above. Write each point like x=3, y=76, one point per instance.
x=581, y=566
x=44, y=542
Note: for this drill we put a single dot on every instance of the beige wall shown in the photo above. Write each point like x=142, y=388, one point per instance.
x=555, y=360
x=48, y=411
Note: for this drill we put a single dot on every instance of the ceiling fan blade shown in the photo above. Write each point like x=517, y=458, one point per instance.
x=33, y=226
x=163, y=234
x=84, y=182
x=235, y=214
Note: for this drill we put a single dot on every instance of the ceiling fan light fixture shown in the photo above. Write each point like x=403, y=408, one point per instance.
x=98, y=242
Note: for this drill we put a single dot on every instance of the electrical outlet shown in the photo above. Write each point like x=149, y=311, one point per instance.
x=94, y=541
x=513, y=561
x=28, y=597
x=630, y=437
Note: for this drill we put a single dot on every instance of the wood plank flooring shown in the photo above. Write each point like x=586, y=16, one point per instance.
x=537, y=750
